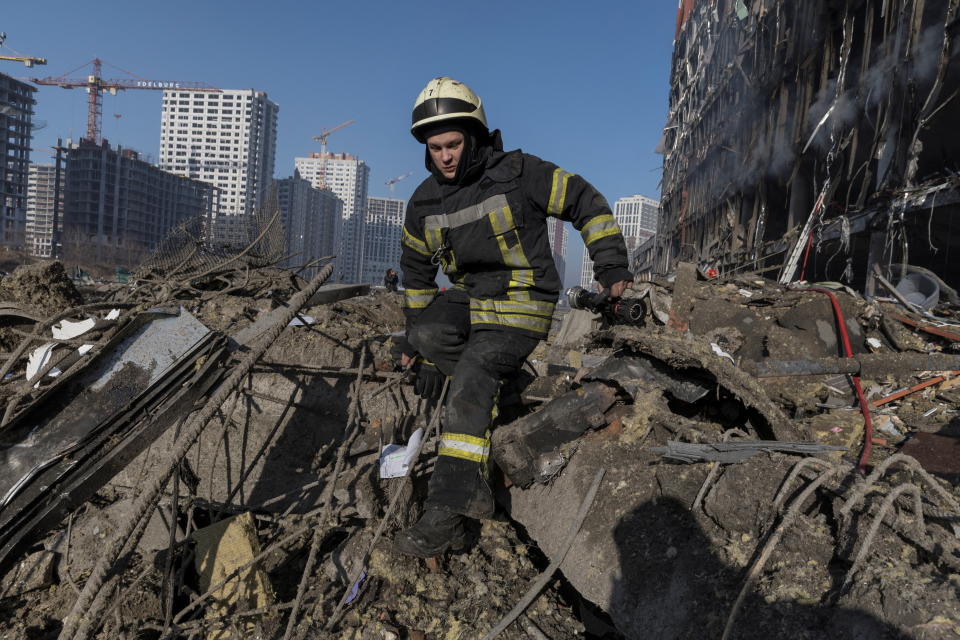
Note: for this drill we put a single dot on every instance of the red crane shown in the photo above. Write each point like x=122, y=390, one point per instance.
x=96, y=85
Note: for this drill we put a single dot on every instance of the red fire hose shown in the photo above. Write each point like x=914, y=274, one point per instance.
x=867, y=422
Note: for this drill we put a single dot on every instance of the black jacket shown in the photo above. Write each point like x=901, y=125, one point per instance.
x=490, y=237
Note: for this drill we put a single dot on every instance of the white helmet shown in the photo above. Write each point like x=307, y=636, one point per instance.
x=445, y=99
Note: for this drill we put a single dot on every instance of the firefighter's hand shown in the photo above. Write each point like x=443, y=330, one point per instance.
x=402, y=352
x=428, y=383
x=617, y=288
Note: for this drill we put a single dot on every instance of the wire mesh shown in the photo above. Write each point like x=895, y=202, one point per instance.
x=203, y=245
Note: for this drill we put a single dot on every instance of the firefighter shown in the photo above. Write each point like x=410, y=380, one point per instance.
x=481, y=217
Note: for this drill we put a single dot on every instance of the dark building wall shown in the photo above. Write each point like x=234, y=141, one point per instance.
x=117, y=208
x=16, y=112
x=787, y=110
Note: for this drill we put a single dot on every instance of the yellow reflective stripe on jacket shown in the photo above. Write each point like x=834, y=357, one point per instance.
x=599, y=227
x=532, y=315
x=415, y=243
x=517, y=321
x=502, y=221
x=462, y=445
x=418, y=298
x=521, y=280
x=558, y=192
x=531, y=307
x=434, y=238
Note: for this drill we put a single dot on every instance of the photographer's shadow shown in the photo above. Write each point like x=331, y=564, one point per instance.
x=672, y=585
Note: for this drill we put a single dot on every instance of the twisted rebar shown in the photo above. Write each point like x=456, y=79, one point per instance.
x=82, y=609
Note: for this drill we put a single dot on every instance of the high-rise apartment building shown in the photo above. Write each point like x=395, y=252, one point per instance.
x=16, y=112
x=557, y=236
x=117, y=208
x=637, y=217
x=41, y=192
x=309, y=216
x=227, y=139
x=381, y=240
x=347, y=177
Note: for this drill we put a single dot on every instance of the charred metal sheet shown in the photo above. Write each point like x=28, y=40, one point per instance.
x=116, y=379
x=131, y=386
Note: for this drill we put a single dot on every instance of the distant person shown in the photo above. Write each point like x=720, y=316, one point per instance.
x=481, y=216
x=391, y=280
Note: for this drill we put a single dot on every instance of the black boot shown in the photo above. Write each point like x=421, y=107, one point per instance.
x=435, y=532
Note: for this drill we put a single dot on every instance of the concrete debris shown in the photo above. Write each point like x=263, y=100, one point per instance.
x=215, y=463
x=222, y=550
x=613, y=399
x=36, y=571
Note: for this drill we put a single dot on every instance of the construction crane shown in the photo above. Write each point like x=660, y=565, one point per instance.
x=96, y=85
x=323, y=149
x=27, y=60
x=394, y=181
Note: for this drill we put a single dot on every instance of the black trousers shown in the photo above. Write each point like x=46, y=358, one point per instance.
x=479, y=361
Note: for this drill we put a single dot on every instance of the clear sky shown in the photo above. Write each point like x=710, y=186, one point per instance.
x=582, y=84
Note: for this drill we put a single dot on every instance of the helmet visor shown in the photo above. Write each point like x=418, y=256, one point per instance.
x=441, y=107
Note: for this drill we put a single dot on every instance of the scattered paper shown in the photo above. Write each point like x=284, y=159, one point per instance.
x=301, y=321
x=113, y=315
x=38, y=359
x=874, y=343
x=745, y=293
x=720, y=352
x=67, y=329
x=395, y=459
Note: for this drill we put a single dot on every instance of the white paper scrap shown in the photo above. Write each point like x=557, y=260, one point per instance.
x=67, y=329
x=38, y=359
x=113, y=315
x=720, y=352
x=745, y=293
x=395, y=459
x=873, y=342
x=297, y=322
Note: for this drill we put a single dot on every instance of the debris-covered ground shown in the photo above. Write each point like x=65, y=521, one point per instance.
x=232, y=487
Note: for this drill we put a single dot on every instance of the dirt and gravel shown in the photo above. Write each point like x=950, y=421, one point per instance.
x=665, y=549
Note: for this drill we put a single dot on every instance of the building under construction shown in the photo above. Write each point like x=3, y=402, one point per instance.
x=813, y=139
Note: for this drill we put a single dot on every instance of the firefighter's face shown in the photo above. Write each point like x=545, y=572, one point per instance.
x=445, y=150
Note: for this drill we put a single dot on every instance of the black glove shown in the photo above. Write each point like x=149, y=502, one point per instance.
x=428, y=381
x=401, y=347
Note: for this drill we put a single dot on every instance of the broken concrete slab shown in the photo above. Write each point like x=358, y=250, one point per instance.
x=35, y=571
x=576, y=324
x=223, y=548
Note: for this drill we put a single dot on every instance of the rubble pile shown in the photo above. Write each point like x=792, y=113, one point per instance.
x=211, y=465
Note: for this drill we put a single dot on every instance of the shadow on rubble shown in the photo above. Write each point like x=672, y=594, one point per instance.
x=286, y=436
x=672, y=585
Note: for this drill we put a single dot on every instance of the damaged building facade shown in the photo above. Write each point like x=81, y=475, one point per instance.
x=120, y=207
x=812, y=137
